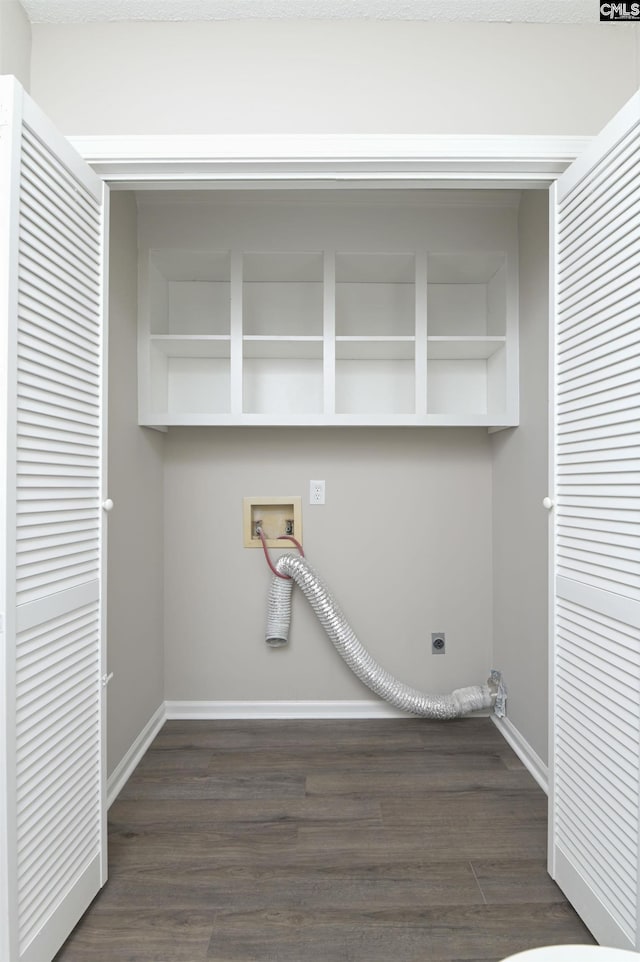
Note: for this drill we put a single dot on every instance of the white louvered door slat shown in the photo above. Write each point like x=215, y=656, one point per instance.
x=52, y=574
x=594, y=802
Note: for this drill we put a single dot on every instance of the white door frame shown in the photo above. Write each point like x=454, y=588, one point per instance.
x=254, y=162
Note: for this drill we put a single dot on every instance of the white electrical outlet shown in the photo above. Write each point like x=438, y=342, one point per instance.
x=316, y=492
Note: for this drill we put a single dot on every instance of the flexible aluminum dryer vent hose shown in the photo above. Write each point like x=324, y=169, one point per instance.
x=460, y=702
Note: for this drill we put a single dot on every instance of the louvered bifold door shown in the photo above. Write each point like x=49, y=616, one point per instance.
x=52, y=350
x=595, y=828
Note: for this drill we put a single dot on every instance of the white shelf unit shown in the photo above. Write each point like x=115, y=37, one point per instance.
x=330, y=336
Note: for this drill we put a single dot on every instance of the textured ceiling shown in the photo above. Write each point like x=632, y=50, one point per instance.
x=527, y=11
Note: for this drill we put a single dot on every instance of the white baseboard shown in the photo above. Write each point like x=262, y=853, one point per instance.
x=281, y=709
x=530, y=759
x=124, y=769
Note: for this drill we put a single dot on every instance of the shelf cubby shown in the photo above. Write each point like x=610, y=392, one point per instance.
x=282, y=386
x=375, y=294
x=282, y=293
x=283, y=375
x=373, y=386
x=190, y=374
x=189, y=292
x=466, y=294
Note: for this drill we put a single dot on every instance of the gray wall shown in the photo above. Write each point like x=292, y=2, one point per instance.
x=520, y=482
x=135, y=557
x=404, y=538
x=15, y=42
x=403, y=541
x=341, y=76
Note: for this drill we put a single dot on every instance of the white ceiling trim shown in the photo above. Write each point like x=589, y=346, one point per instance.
x=504, y=11
x=286, y=161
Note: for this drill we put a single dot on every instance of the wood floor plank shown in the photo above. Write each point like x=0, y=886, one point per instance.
x=477, y=807
x=423, y=784
x=195, y=814
x=432, y=935
x=326, y=841
x=191, y=760
x=304, y=734
x=188, y=785
x=172, y=851
x=331, y=760
x=139, y=934
x=442, y=840
x=509, y=881
x=443, y=884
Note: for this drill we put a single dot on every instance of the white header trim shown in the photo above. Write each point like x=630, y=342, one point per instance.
x=316, y=160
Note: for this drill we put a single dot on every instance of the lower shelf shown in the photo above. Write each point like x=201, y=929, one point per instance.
x=197, y=388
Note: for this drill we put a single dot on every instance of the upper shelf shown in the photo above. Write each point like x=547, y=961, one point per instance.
x=458, y=348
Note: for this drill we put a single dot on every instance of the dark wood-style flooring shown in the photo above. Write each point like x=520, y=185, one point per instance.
x=400, y=840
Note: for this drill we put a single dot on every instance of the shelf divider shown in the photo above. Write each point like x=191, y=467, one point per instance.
x=329, y=331
x=236, y=386
x=421, y=331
